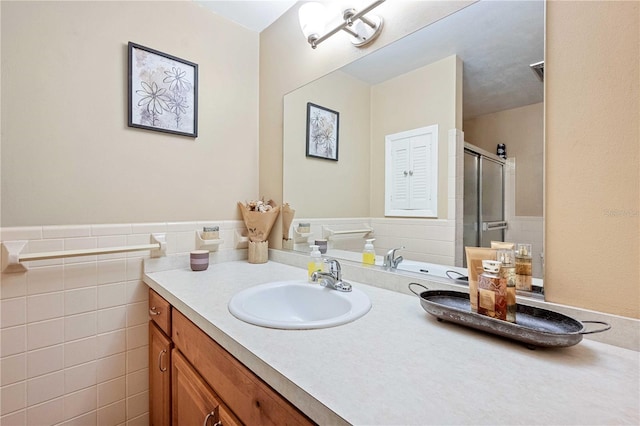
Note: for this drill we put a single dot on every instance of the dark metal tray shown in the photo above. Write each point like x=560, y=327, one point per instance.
x=534, y=326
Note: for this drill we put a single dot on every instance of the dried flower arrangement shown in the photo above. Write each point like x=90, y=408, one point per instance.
x=259, y=217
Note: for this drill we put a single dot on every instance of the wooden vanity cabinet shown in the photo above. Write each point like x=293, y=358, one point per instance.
x=252, y=400
x=204, y=383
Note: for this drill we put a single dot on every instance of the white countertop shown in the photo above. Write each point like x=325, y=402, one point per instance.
x=398, y=365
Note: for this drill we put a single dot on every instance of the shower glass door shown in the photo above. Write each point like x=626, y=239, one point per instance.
x=483, y=219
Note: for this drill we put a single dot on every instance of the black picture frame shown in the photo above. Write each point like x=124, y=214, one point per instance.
x=162, y=92
x=323, y=130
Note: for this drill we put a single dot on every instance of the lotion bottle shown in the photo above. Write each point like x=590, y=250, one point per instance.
x=492, y=291
x=523, y=267
x=369, y=254
x=315, y=261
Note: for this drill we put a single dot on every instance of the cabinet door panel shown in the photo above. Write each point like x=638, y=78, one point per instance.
x=159, y=377
x=400, y=160
x=411, y=173
x=193, y=401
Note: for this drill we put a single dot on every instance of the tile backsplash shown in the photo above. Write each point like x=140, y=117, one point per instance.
x=73, y=331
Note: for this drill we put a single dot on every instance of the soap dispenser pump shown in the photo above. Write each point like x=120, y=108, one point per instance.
x=369, y=254
x=315, y=261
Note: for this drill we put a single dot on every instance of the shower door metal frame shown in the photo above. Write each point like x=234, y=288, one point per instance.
x=481, y=225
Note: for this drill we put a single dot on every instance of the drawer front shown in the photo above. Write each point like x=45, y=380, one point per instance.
x=160, y=312
x=252, y=400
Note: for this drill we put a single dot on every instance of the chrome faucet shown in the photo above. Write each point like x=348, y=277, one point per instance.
x=333, y=278
x=390, y=261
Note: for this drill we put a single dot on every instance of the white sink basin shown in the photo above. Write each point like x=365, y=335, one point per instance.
x=298, y=305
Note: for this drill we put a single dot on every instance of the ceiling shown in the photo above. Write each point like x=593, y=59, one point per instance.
x=496, y=40
x=251, y=14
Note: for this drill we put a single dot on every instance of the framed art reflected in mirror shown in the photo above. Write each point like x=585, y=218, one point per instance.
x=322, y=132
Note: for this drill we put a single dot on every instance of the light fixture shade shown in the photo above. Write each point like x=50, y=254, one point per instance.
x=312, y=19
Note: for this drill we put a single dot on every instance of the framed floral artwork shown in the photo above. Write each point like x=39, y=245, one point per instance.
x=163, y=92
x=322, y=132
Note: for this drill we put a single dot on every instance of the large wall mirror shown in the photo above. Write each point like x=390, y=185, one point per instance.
x=470, y=75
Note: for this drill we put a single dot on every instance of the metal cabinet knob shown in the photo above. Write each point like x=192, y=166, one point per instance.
x=153, y=311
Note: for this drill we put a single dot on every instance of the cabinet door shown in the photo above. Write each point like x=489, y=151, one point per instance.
x=193, y=401
x=411, y=173
x=159, y=377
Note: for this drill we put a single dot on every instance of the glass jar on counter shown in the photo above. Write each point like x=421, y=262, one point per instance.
x=507, y=259
x=523, y=267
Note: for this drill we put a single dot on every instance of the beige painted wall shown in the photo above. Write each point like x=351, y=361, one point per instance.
x=322, y=188
x=591, y=130
x=592, y=166
x=522, y=130
x=68, y=155
x=416, y=99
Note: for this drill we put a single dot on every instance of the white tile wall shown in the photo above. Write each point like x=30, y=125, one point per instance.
x=73, y=332
x=428, y=240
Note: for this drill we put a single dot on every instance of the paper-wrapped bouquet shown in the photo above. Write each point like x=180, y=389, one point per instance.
x=259, y=217
x=287, y=217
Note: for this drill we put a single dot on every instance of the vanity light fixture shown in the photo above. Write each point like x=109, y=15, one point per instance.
x=363, y=29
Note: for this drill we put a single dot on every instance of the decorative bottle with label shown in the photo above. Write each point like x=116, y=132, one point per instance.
x=369, y=253
x=523, y=267
x=492, y=291
x=508, y=272
x=315, y=261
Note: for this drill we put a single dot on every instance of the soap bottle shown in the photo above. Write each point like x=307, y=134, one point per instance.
x=315, y=261
x=369, y=254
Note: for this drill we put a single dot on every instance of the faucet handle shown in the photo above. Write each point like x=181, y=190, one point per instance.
x=334, y=268
x=392, y=252
x=390, y=261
